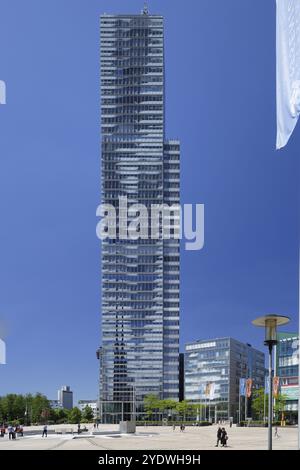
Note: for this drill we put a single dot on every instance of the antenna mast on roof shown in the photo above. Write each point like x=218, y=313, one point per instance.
x=145, y=10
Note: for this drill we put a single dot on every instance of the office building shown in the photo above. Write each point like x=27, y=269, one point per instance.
x=139, y=354
x=65, y=397
x=287, y=369
x=213, y=369
x=181, y=376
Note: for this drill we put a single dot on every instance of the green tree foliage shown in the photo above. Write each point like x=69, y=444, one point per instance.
x=60, y=416
x=87, y=415
x=184, y=409
x=24, y=408
x=74, y=416
x=260, y=402
x=151, y=404
x=169, y=408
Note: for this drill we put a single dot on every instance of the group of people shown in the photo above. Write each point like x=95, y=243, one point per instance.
x=222, y=437
x=12, y=431
x=181, y=427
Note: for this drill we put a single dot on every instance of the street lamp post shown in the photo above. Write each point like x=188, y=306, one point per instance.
x=270, y=323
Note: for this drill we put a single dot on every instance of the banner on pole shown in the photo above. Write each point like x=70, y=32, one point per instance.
x=276, y=386
x=287, y=68
x=267, y=385
x=242, y=387
x=249, y=383
x=207, y=389
x=212, y=391
x=2, y=352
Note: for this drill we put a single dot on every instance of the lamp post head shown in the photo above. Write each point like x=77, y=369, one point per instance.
x=270, y=323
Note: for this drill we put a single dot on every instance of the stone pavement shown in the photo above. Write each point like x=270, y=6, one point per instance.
x=153, y=438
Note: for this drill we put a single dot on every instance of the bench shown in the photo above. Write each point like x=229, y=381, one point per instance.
x=64, y=431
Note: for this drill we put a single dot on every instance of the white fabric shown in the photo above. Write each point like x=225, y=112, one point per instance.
x=2, y=352
x=212, y=391
x=288, y=68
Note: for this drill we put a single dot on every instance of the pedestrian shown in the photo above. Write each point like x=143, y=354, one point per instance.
x=219, y=435
x=2, y=431
x=94, y=425
x=78, y=428
x=174, y=427
x=224, y=438
x=45, y=431
x=10, y=431
x=276, y=432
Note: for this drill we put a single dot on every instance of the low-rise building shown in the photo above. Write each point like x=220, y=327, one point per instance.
x=55, y=404
x=93, y=404
x=287, y=369
x=213, y=369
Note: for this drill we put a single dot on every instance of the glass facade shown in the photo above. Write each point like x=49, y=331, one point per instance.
x=140, y=278
x=212, y=371
x=287, y=369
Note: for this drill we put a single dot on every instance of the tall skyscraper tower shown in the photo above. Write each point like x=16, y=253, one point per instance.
x=140, y=278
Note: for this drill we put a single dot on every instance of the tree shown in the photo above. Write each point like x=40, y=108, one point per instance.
x=167, y=407
x=87, y=414
x=60, y=416
x=74, y=415
x=24, y=409
x=260, y=403
x=151, y=404
x=40, y=408
x=184, y=408
x=12, y=407
x=19, y=407
x=280, y=404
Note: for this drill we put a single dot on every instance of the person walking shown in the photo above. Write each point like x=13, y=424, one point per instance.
x=224, y=438
x=276, y=432
x=219, y=435
x=174, y=427
x=10, y=431
x=2, y=431
x=15, y=431
x=45, y=431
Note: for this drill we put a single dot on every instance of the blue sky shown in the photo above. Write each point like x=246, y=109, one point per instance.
x=220, y=92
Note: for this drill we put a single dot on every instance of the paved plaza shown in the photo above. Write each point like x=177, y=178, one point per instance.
x=151, y=438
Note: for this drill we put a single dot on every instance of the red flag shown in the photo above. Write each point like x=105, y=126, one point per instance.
x=276, y=386
x=249, y=383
